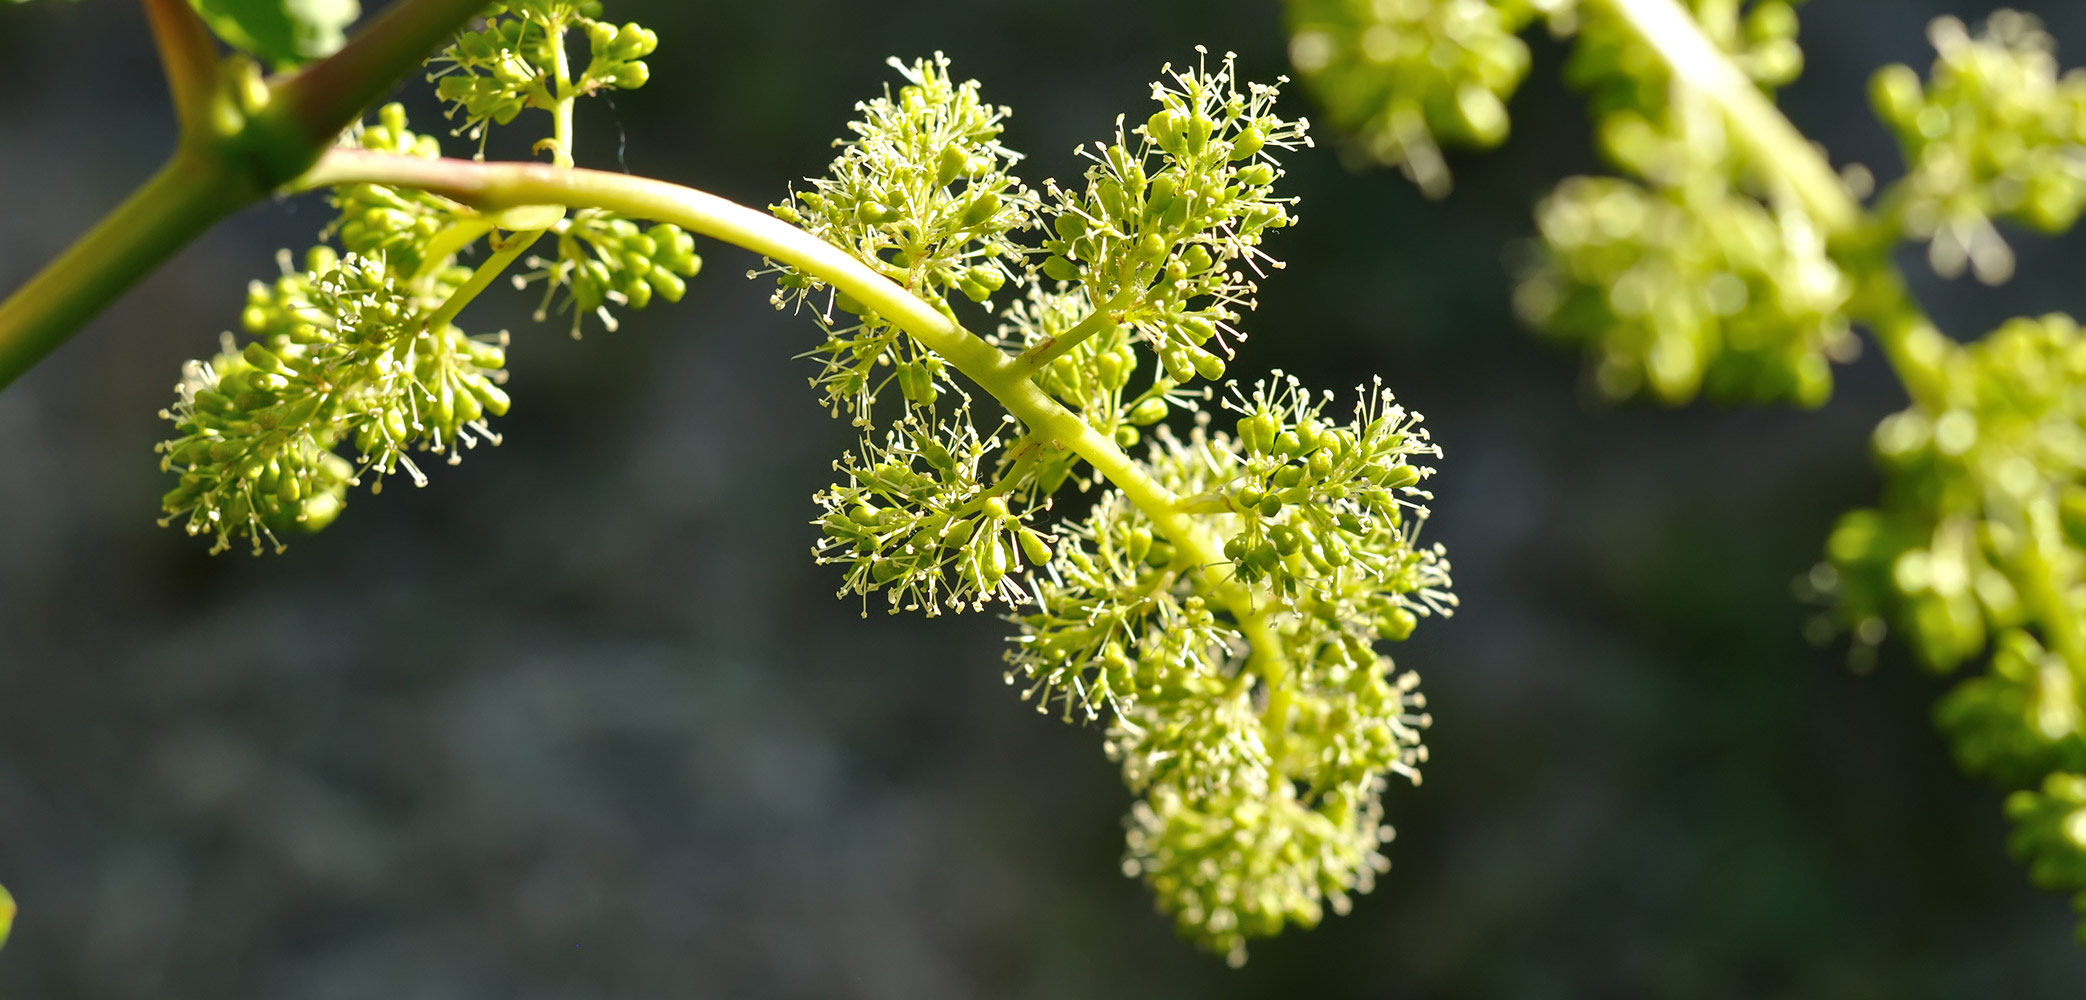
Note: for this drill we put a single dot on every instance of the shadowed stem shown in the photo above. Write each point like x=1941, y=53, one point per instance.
x=188, y=53
x=179, y=203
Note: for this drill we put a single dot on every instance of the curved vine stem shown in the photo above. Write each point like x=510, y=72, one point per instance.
x=491, y=187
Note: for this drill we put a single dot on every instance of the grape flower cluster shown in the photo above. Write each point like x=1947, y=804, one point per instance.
x=1221, y=604
x=1685, y=276
x=1995, y=132
x=352, y=362
x=518, y=61
x=1219, y=607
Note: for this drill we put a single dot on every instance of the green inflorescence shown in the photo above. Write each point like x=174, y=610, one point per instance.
x=1694, y=275
x=1980, y=542
x=518, y=60
x=1717, y=264
x=352, y=362
x=1995, y=133
x=1221, y=604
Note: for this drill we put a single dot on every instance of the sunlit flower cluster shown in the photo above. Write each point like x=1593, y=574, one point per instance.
x=1219, y=606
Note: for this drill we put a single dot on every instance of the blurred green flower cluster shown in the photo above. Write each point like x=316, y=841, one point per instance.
x=1692, y=276
x=1995, y=133
x=2050, y=835
x=1406, y=77
x=1987, y=489
x=1981, y=540
x=1732, y=259
x=1681, y=290
x=1221, y=603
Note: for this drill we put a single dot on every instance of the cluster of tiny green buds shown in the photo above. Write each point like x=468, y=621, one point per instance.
x=1246, y=865
x=1222, y=617
x=353, y=361
x=923, y=194
x=339, y=354
x=924, y=191
x=518, y=61
x=1995, y=133
x=1404, y=77
x=604, y=259
x=1677, y=292
x=915, y=521
x=1980, y=541
x=1316, y=500
x=1162, y=236
x=1123, y=625
x=616, y=56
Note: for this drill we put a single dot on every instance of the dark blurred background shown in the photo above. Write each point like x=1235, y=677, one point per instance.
x=583, y=720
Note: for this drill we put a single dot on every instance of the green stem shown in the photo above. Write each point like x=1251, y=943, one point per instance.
x=504, y=255
x=450, y=242
x=1917, y=351
x=561, y=109
x=1778, y=149
x=179, y=203
x=189, y=55
x=1103, y=318
x=226, y=160
x=494, y=186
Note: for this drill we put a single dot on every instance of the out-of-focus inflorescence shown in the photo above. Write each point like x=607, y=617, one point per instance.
x=1406, y=77
x=1994, y=133
x=1730, y=258
x=1697, y=274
